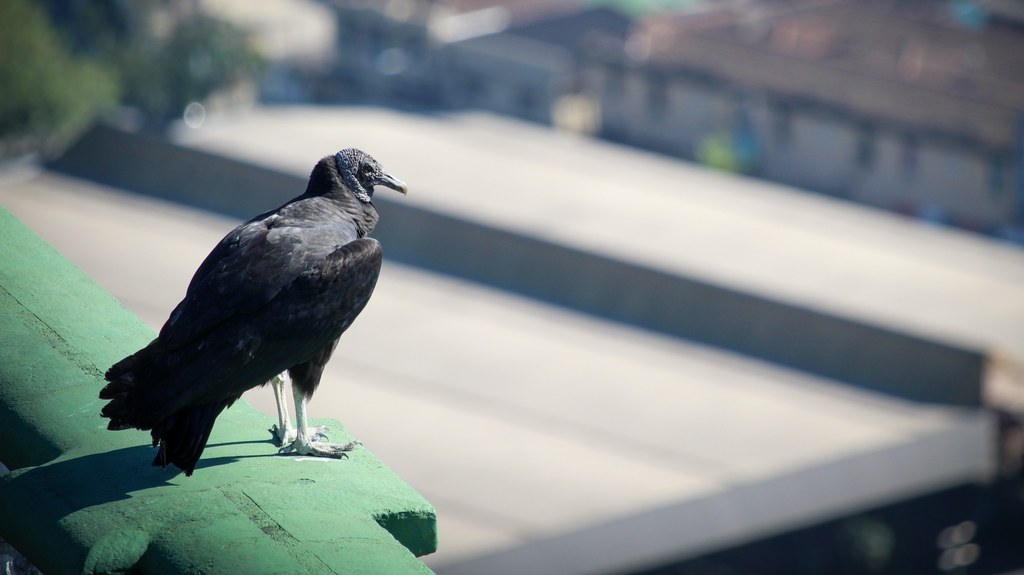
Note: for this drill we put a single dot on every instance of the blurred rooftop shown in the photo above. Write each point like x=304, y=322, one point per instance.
x=554, y=441
x=903, y=63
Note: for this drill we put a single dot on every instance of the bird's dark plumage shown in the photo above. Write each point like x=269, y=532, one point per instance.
x=275, y=294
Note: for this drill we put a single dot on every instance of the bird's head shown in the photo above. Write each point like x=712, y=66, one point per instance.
x=360, y=173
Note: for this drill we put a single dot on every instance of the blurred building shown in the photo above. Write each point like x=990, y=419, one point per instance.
x=296, y=39
x=395, y=50
x=914, y=106
x=533, y=70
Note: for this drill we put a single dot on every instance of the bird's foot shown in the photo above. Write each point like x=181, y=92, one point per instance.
x=285, y=437
x=320, y=449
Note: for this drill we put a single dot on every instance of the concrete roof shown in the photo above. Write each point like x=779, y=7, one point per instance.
x=551, y=441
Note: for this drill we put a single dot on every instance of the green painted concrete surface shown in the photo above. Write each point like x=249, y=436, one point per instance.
x=81, y=499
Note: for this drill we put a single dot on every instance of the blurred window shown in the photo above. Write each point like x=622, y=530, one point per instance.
x=866, y=147
x=997, y=176
x=528, y=100
x=911, y=150
x=783, y=123
x=657, y=95
x=472, y=87
x=613, y=79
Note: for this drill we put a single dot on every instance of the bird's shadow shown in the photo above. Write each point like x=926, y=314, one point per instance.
x=209, y=462
x=99, y=478
x=242, y=442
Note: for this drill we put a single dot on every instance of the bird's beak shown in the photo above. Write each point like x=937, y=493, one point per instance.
x=394, y=183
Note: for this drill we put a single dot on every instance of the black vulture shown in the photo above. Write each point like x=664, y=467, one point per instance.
x=272, y=297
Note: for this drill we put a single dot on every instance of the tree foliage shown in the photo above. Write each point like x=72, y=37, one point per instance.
x=63, y=62
x=198, y=58
x=47, y=94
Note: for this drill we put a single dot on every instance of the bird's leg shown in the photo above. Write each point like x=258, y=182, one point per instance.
x=305, y=441
x=283, y=432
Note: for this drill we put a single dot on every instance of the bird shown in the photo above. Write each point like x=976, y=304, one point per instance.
x=268, y=304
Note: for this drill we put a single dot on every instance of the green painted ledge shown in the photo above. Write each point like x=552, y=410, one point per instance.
x=81, y=499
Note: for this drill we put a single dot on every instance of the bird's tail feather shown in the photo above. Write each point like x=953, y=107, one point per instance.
x=154, y=389
x=132, y=388
x=183, y=436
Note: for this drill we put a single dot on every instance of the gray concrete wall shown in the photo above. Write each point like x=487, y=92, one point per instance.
x=840, y=348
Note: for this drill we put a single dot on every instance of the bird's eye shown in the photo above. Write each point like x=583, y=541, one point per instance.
x=367, y=171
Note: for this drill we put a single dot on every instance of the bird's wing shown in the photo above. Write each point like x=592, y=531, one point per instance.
x=334, y=292
x=306, y=316
x=247, y=269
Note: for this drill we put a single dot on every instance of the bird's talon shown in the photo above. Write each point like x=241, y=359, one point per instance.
x=318, y=433
x=280, y=438
x=319, y=449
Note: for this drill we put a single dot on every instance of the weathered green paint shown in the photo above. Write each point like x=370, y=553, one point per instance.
x=82, y=499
